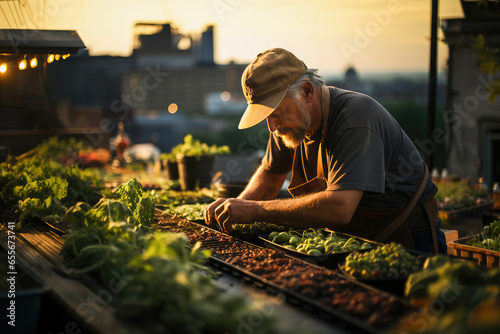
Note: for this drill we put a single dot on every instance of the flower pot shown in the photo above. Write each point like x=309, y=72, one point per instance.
x=229, y=190
x=194, y=172
x=474, y=11
x=170, y=169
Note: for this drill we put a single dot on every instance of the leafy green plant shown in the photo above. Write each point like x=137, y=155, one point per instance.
x=456, y=195
x=195, y=148
x=56, y=149
x=40, y=188
x=468, y=297
x=489, y=238
x=489, y=63
x=168, y=156
x=188, y=211
x=166, y=283
x=104, y=238
x=170, y=291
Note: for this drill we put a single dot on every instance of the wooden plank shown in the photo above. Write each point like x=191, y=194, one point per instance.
x=92, y=309
x=45, y=241
x=450, y=235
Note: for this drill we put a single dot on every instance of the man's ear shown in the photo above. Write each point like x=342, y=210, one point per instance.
x=308, y=90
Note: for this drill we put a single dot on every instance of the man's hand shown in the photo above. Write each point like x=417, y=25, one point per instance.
x=227, y=212
x=209, y=213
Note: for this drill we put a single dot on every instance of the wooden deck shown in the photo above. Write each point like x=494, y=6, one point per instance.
x=90, y=304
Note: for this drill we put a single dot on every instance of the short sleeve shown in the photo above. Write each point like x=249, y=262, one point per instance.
x=278, y=158
x=355, y=161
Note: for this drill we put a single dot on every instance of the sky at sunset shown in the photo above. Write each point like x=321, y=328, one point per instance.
x=371, y=35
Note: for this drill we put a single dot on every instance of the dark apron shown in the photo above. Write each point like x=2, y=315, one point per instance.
x=382, y=225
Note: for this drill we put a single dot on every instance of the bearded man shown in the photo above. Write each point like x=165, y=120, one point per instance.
x=354, y=170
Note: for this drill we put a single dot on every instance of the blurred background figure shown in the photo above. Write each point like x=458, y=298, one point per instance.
x=120, y=143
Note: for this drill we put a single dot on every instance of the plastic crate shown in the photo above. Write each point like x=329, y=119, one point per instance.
x=484, y=257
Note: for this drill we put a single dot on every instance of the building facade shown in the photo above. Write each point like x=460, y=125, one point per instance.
x=473, y=122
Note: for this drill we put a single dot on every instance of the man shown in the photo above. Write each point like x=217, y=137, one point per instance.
x=354, y=170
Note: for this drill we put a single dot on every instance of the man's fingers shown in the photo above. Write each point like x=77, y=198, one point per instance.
x=222, y=215
x=209, y=213
x=227, y=225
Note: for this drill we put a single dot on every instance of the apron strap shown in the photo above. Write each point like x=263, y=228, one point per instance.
x=325, y=112
x=393, y=226
x=430, y=208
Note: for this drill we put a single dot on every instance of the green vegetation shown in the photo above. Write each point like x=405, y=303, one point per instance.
x=163, y=282
x=457, y=195
x=489, y=238
x=195, y=148
x=37, y=186
x=458, y=297
x=488, y=62
x=387, y=261
x=188, y=211
x=315, y=242
x=243, y=142
x=186, y=204
x=257, y=228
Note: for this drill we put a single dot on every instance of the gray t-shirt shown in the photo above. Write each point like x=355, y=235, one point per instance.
x=365, y=149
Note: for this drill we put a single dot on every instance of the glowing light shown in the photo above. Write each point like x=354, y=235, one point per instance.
x=50, y=59
x=65, y=56
x=153, y=114
x=225, y=96
x=57, y=57
x=23, y=64
x=33, y=62
x=3, y=68
x=172, y=108
x=184, y=43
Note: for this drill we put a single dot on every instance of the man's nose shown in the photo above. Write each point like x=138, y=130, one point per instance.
x=272, y=124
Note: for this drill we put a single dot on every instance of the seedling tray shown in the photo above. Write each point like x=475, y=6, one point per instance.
x=330, y=261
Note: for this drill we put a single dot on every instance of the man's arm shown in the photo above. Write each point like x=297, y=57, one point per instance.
x=263, y=185
x=323, y=209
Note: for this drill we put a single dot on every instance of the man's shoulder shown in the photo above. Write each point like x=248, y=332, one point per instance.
x=354, y=109
x=351, y=100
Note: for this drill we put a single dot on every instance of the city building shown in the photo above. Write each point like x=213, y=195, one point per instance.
x=473, y=122
x=167, y=73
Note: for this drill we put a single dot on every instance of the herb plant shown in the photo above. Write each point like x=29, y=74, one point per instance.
x=194, y=148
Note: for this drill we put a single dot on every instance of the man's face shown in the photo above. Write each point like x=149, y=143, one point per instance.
x=290, y=121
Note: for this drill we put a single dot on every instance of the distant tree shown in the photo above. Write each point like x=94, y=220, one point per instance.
x=489, y=63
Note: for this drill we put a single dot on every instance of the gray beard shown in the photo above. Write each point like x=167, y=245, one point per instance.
x=293, y=138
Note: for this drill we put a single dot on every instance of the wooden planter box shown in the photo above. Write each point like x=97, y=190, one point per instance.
x=477, y=210
x=485, y=257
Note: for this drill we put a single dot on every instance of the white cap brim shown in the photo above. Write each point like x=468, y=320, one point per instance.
x=257, y=112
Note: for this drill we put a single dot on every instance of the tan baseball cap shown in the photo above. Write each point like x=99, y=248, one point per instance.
x=265, y=82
